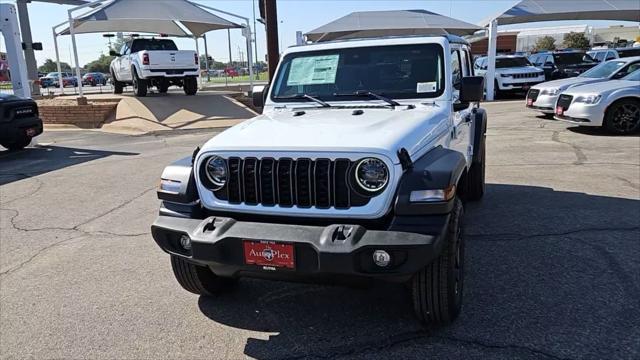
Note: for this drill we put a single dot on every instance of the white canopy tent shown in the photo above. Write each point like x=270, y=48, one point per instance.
x=180, y=18
x=552, y=10
x=368, y=24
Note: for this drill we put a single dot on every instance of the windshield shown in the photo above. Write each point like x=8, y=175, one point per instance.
x=603, y=70
x=512, y=62
x=398, y=71
x=634, y=76
x=572, y=58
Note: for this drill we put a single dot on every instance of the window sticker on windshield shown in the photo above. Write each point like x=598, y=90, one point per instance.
x=425, y=87
x=313, y=70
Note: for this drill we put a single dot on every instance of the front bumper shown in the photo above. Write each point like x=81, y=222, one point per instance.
x=544, y=103
x=583, y=114
x=518, y=84
x=17, y=128
x=331, y=251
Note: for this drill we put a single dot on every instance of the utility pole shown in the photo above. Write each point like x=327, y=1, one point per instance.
x=273, y=51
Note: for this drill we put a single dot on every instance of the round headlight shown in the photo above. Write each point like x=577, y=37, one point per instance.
x=216, y=171
x=372, y=174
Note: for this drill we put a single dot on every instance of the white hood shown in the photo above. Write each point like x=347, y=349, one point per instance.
x=604, y=87
x=564, y=84
x=380, y=130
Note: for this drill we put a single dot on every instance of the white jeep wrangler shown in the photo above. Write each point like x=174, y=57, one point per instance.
x=358, y=168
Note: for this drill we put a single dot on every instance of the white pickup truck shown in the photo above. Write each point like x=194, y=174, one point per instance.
x=146, y=63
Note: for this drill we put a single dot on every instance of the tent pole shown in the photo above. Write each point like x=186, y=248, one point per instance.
x=491, y=59
x=198, y=55
x=55, y=44
x=75, y=54
x=206, y=57
x=248, y=36
x=226, y=81
x=249, y=57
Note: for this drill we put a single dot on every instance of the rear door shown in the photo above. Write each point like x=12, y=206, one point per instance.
x=460, y=67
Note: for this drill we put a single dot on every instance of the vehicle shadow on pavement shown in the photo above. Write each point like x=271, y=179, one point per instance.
x=548, y=274
x=33, y=161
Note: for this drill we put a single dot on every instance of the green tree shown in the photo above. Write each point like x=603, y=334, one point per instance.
x=576, y=40
x=99, y=65
x=50, y=66
x=545, y=43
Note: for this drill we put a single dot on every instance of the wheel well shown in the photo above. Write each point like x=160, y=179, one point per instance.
x=461, y=185
x=632, y=98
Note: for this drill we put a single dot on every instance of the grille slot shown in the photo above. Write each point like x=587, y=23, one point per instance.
x=564, y=101
x=533, y=94
x=286, y=182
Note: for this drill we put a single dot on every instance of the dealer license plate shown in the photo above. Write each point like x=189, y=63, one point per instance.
x=269, y=254
x=31, y=132
x=529, y=102
x=559, y=110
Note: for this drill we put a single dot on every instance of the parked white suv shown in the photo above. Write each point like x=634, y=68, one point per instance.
x=513, y=73
x=149, y=62
x=358, y=168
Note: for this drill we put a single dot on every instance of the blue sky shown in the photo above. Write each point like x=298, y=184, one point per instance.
x=294, y=15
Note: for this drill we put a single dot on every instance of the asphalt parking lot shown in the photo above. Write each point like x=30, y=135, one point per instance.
x=552, y=260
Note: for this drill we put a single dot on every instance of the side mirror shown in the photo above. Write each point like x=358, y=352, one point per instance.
x=113, y=53
x=471, y=89
x=259, y=95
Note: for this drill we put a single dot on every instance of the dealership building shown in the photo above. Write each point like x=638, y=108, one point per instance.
x=524, y=40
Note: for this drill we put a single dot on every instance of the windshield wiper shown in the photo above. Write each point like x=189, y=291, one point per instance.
x=304, y=96
x=367, y=93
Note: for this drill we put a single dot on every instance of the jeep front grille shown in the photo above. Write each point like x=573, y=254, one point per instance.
x=306, y=183
x=526, y=75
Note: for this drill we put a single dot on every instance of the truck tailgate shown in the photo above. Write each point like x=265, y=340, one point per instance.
x=169, y=59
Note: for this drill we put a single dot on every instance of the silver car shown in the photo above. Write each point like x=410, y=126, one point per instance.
x=614, y=105
x=543, y=97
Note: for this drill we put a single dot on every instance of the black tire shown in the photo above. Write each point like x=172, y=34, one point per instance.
x=190, y=85
x=476, y=179
x=163, y=87
x=17, y=145
x=496, y=90
x=199, y=280
x=139, y=85
x=437, y=289
x=118, y=87
x=623, y=117
x=94, y=83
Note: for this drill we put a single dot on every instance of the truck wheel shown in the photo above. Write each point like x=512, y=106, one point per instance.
x=199, y=280
x=190, y=85
x=437, y=289
x=139, y=85
x=118, y=87
x=623, y=117
x=476, y=179
x=18, y=144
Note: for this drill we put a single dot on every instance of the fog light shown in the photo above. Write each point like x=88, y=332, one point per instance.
x=381, y=258
x=185, y=242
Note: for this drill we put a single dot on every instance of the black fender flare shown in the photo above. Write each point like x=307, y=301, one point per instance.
x=479, y=131
x=439, y=168
x=178, y=191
